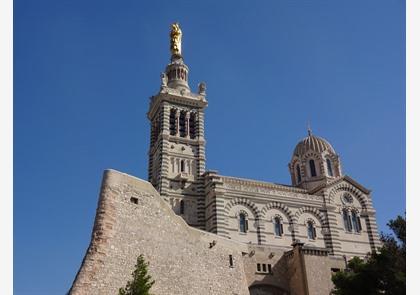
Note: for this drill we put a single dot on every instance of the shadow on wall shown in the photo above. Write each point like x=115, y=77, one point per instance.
x=273, y=283
x=262, y=289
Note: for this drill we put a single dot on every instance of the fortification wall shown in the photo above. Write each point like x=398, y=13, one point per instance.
x=132, y=219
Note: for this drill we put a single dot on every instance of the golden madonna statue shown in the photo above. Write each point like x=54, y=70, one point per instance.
x=176, y=35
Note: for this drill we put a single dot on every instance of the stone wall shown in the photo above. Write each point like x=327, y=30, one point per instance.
x=310, y=269
x=297, y=275
x=318, y=271
x=274, y=279
x=132, y=219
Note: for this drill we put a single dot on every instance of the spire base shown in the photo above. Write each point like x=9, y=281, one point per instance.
x=177, y=73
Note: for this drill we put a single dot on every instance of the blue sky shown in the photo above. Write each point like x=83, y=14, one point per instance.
x=84, y=72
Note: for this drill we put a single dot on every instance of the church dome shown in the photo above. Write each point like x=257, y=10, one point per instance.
x=312, y=143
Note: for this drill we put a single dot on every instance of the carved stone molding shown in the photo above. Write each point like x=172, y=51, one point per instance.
x=313, y=211
x=242, y=185
x=353, y=191
x=277, y=205
x=244, y=202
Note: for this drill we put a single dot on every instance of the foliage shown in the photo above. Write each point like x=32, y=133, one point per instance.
x=141, y=283
x=382, y=272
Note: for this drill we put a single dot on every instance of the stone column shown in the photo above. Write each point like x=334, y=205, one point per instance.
x=331, y=236
x=187, y=124
x=177, y=121
x=164, y=168
x=372, y=229
x=216, y=221
x=200, y=165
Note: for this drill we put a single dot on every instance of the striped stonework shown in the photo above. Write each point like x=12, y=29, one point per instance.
x=177, y=148
x=310, y=210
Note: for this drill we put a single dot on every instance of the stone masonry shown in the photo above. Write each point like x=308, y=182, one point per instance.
x=132, y=219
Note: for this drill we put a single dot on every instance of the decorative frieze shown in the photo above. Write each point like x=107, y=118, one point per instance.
x=242, y=185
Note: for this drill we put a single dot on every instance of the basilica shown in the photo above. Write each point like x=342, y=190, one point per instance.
x=206, y=233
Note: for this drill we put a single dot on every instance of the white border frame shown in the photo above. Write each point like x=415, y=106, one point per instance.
x=6, y=154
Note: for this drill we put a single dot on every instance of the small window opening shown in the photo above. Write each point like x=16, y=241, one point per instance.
x=299, y=177
x=269, y=268
x=155, y=130
x=192, y=126
x=182, y=166
x=312, y=167
x=181, y=207
x=329, y=168
x=230, y=260
x=172, y=122
x=243, y=223
x=264, y=267
x=359, y=223
x=134, y=200
x=311, y=230
x=346, y=220
x=278, y=227
x=258, y=267
x=182, y=122
x=356, y=222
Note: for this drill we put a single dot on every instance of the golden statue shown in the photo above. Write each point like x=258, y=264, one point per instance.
x=176, y=35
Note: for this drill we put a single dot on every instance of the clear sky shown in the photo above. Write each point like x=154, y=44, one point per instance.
x=84, y=72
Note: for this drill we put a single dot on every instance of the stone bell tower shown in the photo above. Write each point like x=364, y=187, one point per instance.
x=177, y=144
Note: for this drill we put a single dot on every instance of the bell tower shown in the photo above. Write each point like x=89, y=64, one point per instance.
x=177, y=144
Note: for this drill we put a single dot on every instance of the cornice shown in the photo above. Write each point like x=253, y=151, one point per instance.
x=262, y=184
x=310, y=250
x=266, y=188
x=175, y=96
x=176, y=139
x=338, y=180
x=356, y=184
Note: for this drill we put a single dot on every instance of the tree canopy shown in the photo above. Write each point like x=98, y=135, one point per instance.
x=142, y=281
x=383, y=272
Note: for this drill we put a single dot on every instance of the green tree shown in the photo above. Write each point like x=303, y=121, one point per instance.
x=141, y=283
x=382, y=272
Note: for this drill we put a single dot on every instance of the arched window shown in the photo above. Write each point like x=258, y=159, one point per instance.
x=299, y=177
x=181, y=207
x=347, y=220
x=329, y=168
x=311, y=230
x=278, y=227
x=154, y=132
x=192, y=126
x=182, y=124
x=312, y=167
x=172, y=122
x=356, y=222
x=243, y=223
x=182, y=166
